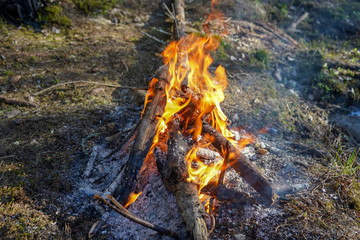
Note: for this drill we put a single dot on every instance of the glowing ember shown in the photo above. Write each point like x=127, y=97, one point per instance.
x=132, y=198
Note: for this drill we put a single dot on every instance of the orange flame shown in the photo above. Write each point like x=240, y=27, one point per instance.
x=132, y=198
x=216, y=20
x=199, y=172
x=193, y=94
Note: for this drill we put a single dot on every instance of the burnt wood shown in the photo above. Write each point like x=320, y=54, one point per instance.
x=242, y=165
x=173, y=169
x=143, y=141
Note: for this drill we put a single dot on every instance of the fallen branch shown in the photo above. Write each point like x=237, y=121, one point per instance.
x=17, y=102
x=86, y=82
x=123, y=211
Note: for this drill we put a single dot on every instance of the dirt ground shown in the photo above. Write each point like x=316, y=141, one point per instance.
x=278, y=80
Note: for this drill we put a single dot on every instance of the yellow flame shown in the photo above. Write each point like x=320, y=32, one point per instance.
x=188, y=61
x=132, y=198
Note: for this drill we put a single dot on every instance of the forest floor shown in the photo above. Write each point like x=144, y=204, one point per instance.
x=298, y=90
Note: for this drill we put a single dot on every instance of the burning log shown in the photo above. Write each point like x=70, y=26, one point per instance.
x=174, y=174
x=144, y=138
x=178, y=100
x=241, y=164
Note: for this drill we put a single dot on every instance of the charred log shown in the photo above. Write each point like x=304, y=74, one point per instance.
x=174, y=173
x=241, y=164
x=143, y=141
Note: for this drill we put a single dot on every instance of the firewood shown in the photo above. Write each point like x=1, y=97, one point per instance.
x=180, y=19
x=143, y=140
x=173, y=170
x=208, y=156
x=241, y=164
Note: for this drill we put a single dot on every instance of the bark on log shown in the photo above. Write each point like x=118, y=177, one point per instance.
x=173, y=170
x=147, y=127
x=241, y=164
x=180, y=19
x=143, y=141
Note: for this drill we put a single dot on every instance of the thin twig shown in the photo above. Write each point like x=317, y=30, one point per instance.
x=93, y=228
x=133, y=218
x=175, y=20
x=162, y=31
x=169, y=13
x=117, y=204
x=129, y=135
x=86, y=82
x=152, y=37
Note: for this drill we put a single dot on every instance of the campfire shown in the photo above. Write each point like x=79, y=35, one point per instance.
x=185, y=133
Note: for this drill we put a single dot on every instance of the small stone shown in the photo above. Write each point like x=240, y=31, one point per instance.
x=137, y=19
x=97, y=91
x=15, y=79
x=34, y=142
x=291, y=84
x=56, y=30
x=236, y=117
x=275, y=150
x=13, y=113
x=115, y=11
x=273, y=130
x=95, y=69
x=17, y=143
x=232, y=58
x=239, y=237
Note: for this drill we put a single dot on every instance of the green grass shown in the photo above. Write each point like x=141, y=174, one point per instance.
x=347, y=164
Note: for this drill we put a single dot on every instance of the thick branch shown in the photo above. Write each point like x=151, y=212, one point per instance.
x=143, y=141
x=241, y=164
x=173, y=170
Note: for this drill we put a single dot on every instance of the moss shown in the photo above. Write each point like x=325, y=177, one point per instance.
x=54, y=14
x=262, y=56
x=94, y=7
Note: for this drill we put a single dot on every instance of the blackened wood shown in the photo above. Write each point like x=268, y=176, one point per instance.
x=174, y=174
x=242, y=165
x=143, y=141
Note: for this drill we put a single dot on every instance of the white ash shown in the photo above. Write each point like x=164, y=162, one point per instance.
x=159, y=206
x=156, y=205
